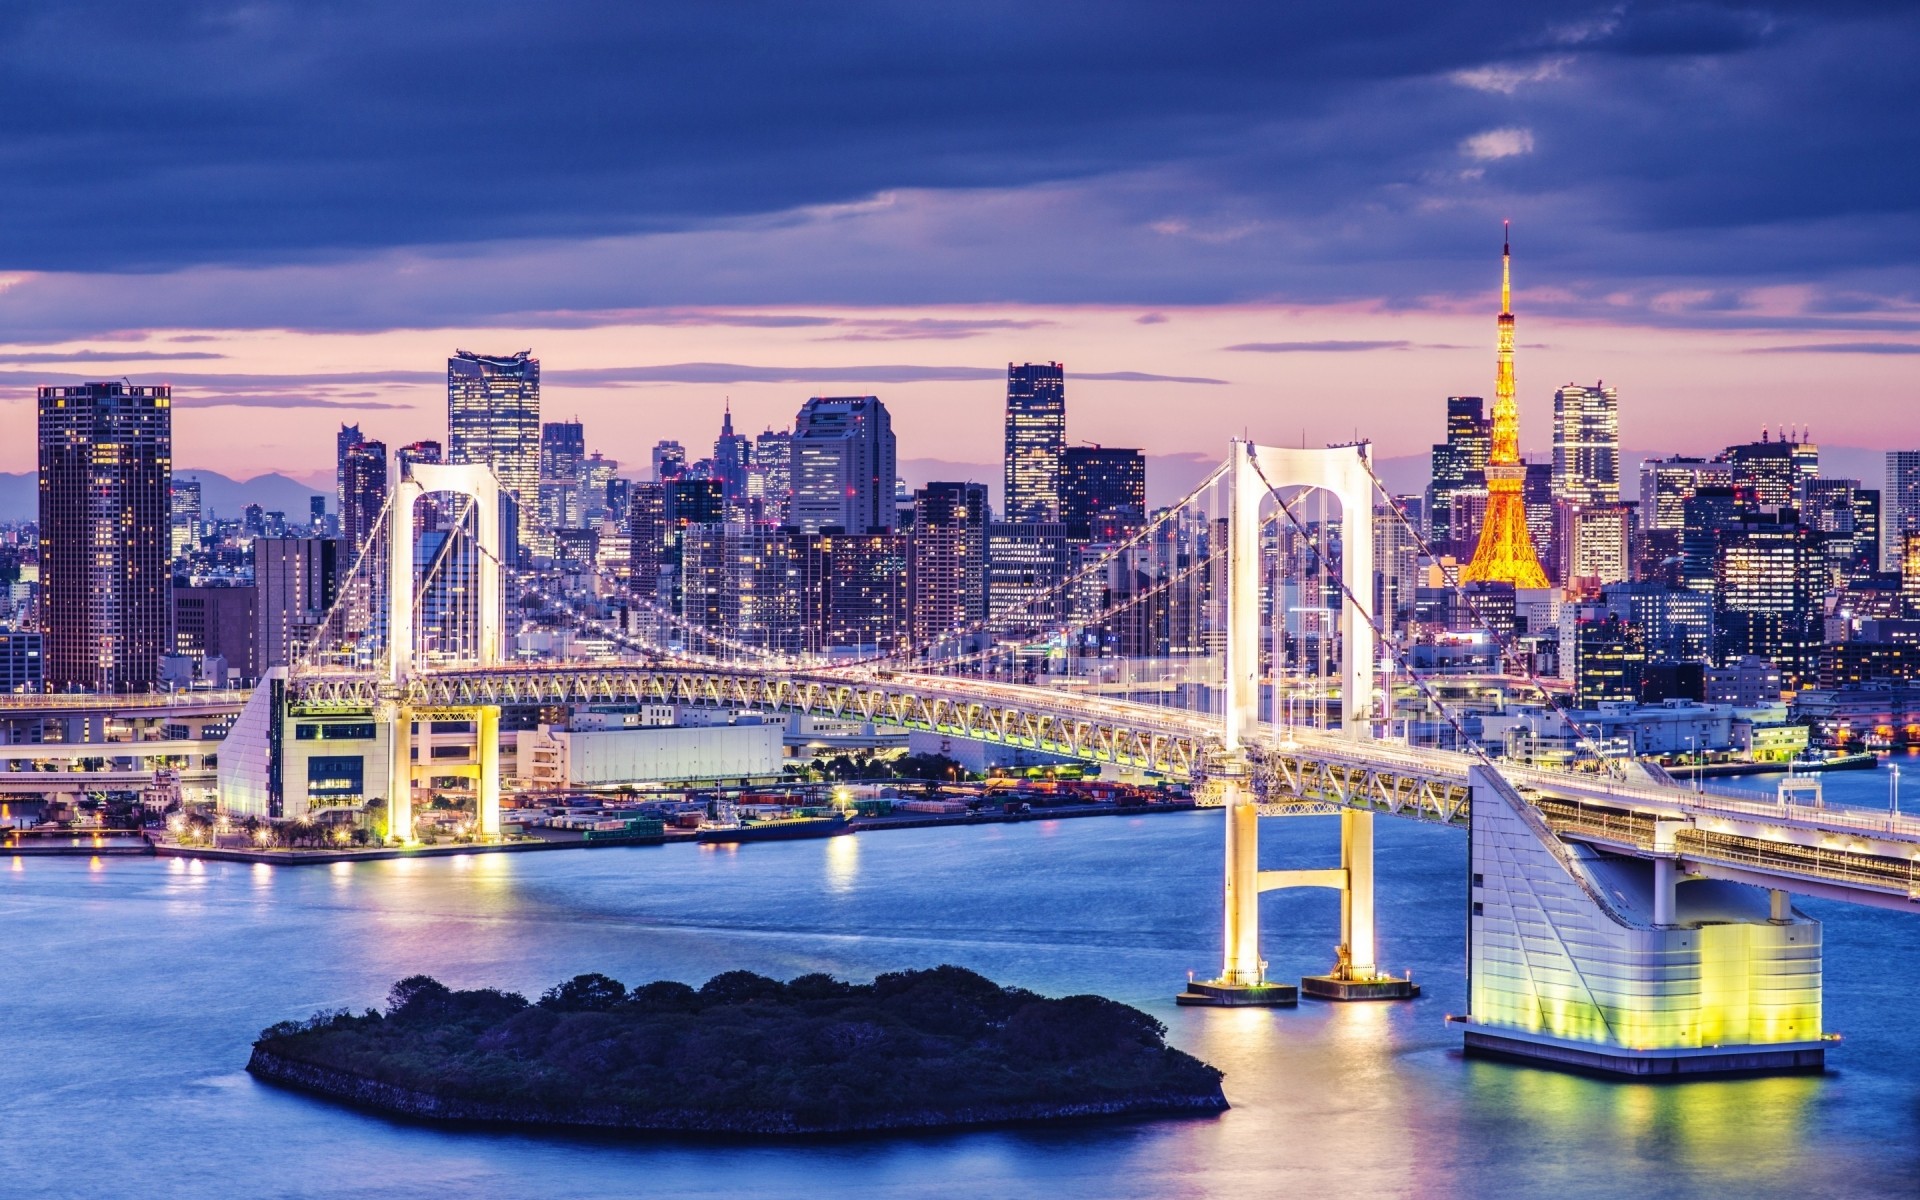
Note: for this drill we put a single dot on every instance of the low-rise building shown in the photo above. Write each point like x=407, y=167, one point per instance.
x=551, y=757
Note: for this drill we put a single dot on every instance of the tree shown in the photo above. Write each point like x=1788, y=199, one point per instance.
x=592, y=992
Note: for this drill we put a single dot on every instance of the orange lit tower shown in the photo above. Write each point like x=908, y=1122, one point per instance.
x=1505, y=553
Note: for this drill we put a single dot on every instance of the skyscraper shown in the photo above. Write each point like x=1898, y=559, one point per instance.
x=669, y=461
x=348, y=437
x=1771, y=473
x=732, y=453
x=773, y=458
x=1103, y=492
x=1768, y=583
x=1666, y=484
x=1459, y=463
x=493, y=417
x=1036, y=436
x=294, y=581
x=1586, y=444
x=843, y=465
x=563, y=448
x=363, y=493
x=1899, y=506
x=1505, y=553
x=949, y=558
x=106, y=463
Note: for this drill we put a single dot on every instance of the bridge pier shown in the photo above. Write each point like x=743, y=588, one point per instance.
x=487, y=787
x=398, y=719
x=1601, y=962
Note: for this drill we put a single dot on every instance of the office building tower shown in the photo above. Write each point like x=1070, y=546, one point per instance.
x=693, y=502
x=1027, y=563
x=1505, y=553
x=1675, y=623
x=597, y=474
x=1596, y=542
x=1768, y=585
x=1844, y=517
x=1036, y=436
x=1459, y=463
x=1704, y=515
x=732, y=454
x=22, y=660
x=563, y=450
x=669, y=461
x=493, y=417
x=343, y=441
x=316, y=515
x=1586, y=444
x=1899, y=505
x=218, y=623
x=1543, y=517
x=1666, y=484
x=854, y=591
x=1396, y=569
x=843, y=465
x=1770, y=473
x=773, y=459
x=646, y=536
x=106, y=531
x=185, y=520
x=363, y=496
x=948, y=581
x=1602, y=653
x=294, y=580
x=744, y=583
x=1103, y=493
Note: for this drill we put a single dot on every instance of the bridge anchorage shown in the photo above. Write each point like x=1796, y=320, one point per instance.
x=1621, y=925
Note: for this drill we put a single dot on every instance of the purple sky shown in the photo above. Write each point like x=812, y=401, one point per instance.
x=1280, y=221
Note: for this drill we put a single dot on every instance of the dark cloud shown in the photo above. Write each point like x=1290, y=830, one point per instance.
x=190, y=399
x=491, y=163
x=1322, y=347
x=107, y=356
x=715, y=373
x=1841, y=348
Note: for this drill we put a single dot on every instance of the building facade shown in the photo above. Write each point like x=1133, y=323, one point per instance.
x=1036, y=435
x=1586, y=444
x=843, y=465
x=493, y=417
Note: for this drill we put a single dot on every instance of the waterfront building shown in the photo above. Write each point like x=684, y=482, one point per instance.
x=1457, y=463
x=1505, y=552
x=295, y=580
x=854, y=591
x=744, y=583
x=843, y=465
x=1103, y=493
x=1036, y=436
x=1675, y=623
x=106, y=532
x=1586, y=444
x=1601, y=653
x=948, y=566
x=493, y=417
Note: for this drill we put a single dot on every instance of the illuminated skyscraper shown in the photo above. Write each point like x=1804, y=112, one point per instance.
x=773, y=459
x=493, y=417
x=1459, y=464
x=1036, y=436
x=1103, y=493
x=1505, y=553
x=732, y=452
x=843, y=465
x=106, y=460
x=948, y=587
x=1899, y=506
x=363, y=493
x=1666, y=484
x=1586, y=444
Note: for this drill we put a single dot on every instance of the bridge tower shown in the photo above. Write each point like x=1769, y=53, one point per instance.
x=477, y=482
x=1254, y=473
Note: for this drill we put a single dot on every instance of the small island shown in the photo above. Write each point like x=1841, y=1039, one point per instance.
x=743, y=1054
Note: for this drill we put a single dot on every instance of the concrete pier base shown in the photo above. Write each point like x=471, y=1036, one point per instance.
x=1702, y=1063
x=1238, y=995
x=1385, y=987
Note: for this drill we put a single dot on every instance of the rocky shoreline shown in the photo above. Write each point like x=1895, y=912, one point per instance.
x=373, y=1094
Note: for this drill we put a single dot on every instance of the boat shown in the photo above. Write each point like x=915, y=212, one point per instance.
x=785, y=829
x=1833, y=760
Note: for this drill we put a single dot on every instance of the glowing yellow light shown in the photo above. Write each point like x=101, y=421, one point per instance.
x=1505, y=553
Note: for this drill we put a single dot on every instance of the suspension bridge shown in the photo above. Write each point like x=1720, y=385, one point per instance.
x=1617, y=920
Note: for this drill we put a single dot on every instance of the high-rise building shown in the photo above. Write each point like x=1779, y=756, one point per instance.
x=1675, y=624
x=1027, y=563
x=669, y=461
x=1036, y=436
x=853, y=589
x=843, y=465
x=185, y=520
x=343, y=441
x=773, y=459
x=1586, y=444
x=1704, y=515
x=1899, y=505
x=1596, y=543
x=1459, y=463
x=948, y=581
x=294, y=581
x=1845, y=518
x=493, y=417
x=647, y=536
x=563, y=449
x=597, y=473
x=218, y=622
x=1505, y=552
x=1103, y=493
x=363, y=495
x=732, y=454
x=1666, y=484
x=1769, y=581
x=1605, y=652
x=1771, y=473
x=106, y=531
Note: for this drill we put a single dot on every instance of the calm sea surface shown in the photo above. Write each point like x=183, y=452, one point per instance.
x=130, y=989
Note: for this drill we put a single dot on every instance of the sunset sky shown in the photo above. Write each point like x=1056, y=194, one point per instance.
x=1283, y=219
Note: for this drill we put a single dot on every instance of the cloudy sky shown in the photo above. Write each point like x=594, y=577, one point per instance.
x=1278, y=218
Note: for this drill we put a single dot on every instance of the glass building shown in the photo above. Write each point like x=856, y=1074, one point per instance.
x=106, y=532
x=1586, y=444
x=1036, y=436
x=493, y=417
x=842, y=466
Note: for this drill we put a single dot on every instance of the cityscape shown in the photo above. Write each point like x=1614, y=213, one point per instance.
x=935, y=722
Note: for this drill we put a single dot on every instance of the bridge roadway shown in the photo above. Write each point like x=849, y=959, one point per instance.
x=1858, y=855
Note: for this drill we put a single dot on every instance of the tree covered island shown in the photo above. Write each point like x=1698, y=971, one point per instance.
x=743, y=1054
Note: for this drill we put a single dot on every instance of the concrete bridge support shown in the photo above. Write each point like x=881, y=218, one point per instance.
x=1621, y=965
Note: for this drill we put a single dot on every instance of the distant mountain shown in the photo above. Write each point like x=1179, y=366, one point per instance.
x=219, y=494
x=1406, y=474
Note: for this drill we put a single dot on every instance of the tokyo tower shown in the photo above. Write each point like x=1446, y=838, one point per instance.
x=1505, y=553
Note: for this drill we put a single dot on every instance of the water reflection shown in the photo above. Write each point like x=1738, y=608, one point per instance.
x=843, y=863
